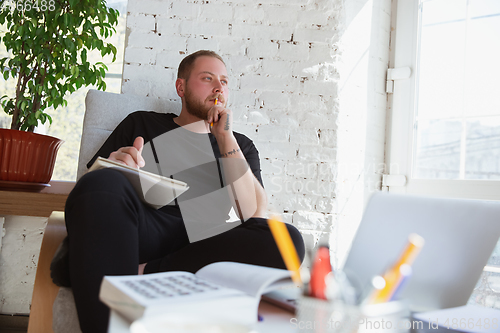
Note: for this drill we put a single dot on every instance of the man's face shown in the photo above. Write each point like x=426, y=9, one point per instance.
x=208, y=81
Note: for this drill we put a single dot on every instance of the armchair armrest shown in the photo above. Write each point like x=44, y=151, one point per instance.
x=44, y=291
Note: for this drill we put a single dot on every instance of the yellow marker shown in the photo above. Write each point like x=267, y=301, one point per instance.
x=393, y=277
x=286, y=247
x=212, y=123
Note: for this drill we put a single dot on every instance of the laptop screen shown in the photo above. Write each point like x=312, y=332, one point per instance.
x=459, y=235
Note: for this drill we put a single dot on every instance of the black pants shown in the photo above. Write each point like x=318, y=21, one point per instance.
x=110, y=232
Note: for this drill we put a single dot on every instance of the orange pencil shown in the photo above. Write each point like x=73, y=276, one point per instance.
x=212, y=123
x=286, y=247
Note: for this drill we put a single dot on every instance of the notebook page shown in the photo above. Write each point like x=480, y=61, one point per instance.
x=251, y=279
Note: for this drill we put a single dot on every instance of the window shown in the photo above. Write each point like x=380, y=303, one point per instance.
x=445, y=119
x=68, y=120
x=457, y=105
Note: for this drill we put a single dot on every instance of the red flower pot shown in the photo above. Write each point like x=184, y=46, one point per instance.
x=27, y=156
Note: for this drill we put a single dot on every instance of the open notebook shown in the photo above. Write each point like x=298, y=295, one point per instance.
x=222, y=290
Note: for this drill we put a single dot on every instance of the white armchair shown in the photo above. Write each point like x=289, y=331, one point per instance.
x=53, y=308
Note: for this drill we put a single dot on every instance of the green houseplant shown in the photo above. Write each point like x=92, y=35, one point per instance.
x=48, y=43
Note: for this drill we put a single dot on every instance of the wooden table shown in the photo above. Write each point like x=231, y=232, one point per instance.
x=42, y=203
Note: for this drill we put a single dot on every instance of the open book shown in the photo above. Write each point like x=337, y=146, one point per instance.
x=154, y=190
x=223, y=290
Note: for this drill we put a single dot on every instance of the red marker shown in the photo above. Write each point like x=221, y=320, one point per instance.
x=320, y=269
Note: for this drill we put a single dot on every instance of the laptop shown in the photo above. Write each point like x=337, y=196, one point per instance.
x=459, y=234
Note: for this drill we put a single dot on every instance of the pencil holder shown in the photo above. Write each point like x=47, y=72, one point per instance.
x=390, y=317
x=318, y=315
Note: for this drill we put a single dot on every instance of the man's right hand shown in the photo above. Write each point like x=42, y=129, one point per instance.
x=130, y=156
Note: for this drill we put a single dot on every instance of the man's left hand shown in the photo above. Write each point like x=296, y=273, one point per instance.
x=222, y=119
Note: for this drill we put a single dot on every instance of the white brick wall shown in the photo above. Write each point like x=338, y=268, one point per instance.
x=18, y=261
x=307, y=87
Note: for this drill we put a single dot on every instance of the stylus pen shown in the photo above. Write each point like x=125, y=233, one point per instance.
x=156, y=158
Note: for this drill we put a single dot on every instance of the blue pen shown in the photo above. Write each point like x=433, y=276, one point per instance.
x=260, y=318
x=406, y=272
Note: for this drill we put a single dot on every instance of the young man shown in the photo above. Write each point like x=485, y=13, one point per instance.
x=111, y=232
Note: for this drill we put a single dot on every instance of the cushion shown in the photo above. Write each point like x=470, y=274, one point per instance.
x=65, y=319
x=104, y=111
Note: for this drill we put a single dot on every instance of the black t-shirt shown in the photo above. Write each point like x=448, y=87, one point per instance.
x=150, y=125
x=173, y=151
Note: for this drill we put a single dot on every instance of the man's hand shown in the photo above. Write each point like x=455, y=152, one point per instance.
x=222, y=119
x=130, y=156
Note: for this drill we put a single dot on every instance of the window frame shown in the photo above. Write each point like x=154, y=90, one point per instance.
x=402, y=107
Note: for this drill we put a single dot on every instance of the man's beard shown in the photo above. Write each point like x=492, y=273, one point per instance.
x=195, y=107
